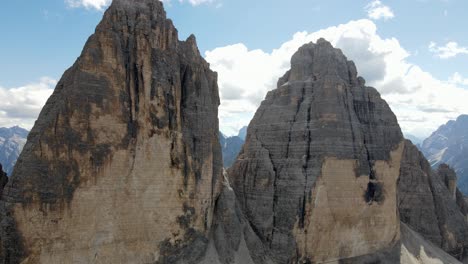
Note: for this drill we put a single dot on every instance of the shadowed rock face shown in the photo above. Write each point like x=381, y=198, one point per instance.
x=430, y=204
x=317, y=175
x=123, y=164
x=3, y=179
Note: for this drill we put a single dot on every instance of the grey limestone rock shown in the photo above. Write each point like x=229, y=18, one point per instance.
x=320, y=111
x=431, y=205
x=325, y=174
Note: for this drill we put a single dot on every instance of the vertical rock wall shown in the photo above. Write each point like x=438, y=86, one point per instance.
x=123, y=164
x=318, y=172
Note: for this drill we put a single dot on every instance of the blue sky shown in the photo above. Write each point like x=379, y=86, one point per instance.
x=43, y=38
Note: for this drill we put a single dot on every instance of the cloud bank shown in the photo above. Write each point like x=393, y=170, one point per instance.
x=420, y=101
x=88, y=4
x=376, y=10
x=102, y=4
x=21, y=105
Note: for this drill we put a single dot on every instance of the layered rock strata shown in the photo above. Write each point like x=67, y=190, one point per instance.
x=430, y=205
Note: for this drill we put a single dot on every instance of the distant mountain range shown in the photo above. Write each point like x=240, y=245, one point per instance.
x=416, y=140
x=231, y=146
x=449, y=144
x=12, y=141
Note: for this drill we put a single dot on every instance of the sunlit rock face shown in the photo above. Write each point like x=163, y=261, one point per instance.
x=123, y=164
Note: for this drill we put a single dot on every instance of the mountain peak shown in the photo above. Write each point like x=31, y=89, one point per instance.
x=137, y=4
x=463, y=118
x=320, y=61
x=128, y=142
x=319, y=129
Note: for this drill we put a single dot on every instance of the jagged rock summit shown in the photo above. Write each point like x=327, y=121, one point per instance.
x=123, y=164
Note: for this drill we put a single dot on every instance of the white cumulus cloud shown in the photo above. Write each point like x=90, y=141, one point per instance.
x=377, y=10
x=420, y=101
x=22, y=105
x=198, y=2
x=450, y=50
x=88, y=4
x=457, y=78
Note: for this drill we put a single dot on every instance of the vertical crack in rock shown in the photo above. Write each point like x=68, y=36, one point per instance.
x=305, y=164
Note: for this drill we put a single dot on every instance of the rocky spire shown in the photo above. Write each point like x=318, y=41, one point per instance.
x=124, y=163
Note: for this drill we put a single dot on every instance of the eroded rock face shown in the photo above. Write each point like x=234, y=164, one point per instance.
x=123, y=164
x=429, y=204
x=318, y=173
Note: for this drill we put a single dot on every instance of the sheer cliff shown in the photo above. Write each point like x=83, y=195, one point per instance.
x=123, y=164
x=318, y=172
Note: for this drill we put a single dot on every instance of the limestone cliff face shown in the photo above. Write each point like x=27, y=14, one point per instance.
x=325, y=175
x=431, y=205
x=123, y=164
x=318, y=174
